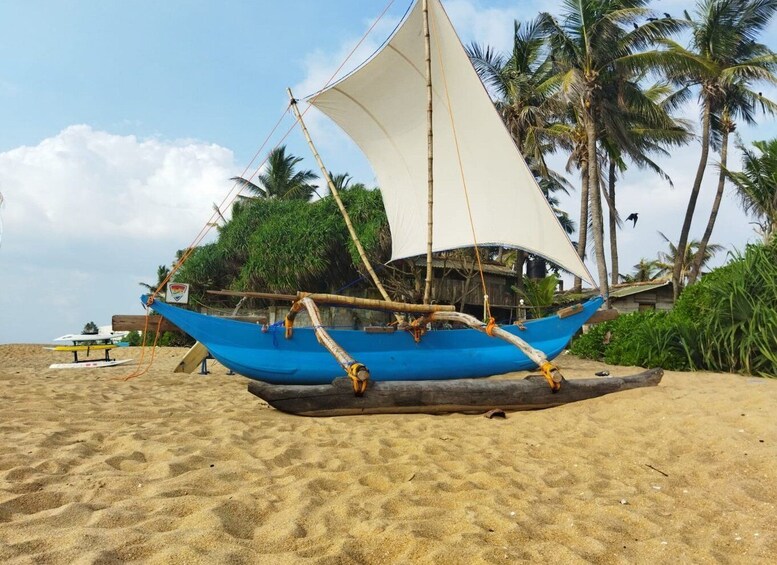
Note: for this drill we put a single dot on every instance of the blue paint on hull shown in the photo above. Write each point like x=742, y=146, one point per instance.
x=441, y=354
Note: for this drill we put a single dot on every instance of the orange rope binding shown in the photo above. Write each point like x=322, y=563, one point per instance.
x=490, y=326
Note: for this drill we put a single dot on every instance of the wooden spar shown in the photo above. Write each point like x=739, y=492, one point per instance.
x=368, y=304
x=352, y=302
x=336, y=195
x=263, y=295
x=551, y=373
x=430, y=156
x=358, y=373
x=437, y=397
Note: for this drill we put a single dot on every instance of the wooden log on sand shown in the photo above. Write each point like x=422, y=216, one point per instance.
x=436, y=397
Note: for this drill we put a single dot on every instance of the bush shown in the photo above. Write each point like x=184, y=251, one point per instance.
x=726, y=322
x=167, y=339
x=591, y=345
x=733, y=313
x=647, y=339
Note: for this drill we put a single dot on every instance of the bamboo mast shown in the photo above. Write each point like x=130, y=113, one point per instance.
x=430, y=155
x=336, y=195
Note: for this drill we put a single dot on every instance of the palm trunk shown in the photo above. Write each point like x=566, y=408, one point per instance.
x=613, y=224
x=595, y=196
x=582, y=239
x=699, y=258
x=686, y=229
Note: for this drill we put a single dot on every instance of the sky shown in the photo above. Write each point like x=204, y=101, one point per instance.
x=122, y=123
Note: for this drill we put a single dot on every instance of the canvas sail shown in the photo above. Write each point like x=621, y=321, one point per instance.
x=382, y=107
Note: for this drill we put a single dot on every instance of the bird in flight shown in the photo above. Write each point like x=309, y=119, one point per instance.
x=633, y=217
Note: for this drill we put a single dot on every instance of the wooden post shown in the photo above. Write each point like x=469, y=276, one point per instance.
x=336, y=195
x=430, y=156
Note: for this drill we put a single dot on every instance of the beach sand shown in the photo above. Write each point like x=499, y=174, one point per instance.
x=171, y=468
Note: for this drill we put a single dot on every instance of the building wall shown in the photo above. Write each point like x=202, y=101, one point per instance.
x=659, y=299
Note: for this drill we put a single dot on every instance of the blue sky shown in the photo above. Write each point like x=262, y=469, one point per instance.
x=122, y=121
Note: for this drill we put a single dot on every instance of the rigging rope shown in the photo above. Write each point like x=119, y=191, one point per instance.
x=230, y=197
x=209, y=224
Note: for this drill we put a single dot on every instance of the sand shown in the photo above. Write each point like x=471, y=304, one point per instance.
x=171, y=468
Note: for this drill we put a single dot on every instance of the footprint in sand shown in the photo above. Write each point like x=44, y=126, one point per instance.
x=133, y=462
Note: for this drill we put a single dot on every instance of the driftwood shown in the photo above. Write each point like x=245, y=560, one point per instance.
x=436, y=397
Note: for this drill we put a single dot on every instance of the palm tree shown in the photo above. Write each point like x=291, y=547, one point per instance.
x=162, y=272
x=735, y=103
x=756, y=185
x=524, y=84
x=281, y=179
x=666, y=261
x=637, y=123
x=723, y=55
x=589, y=44
x=644, y=271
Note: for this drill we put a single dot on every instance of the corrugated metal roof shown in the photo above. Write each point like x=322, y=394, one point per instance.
x=637, y=289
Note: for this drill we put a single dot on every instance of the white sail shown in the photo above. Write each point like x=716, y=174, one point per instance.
x=382, y=107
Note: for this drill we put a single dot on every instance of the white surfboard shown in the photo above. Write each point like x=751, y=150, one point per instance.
x=90, y=337
x=89, y=364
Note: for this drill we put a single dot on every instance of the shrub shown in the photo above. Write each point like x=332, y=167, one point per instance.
x=726, y=322
x=591, y=345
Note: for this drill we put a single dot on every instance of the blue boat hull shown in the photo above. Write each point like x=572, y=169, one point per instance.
x=441, y=354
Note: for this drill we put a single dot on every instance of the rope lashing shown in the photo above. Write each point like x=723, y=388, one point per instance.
x=288, y=322
x=359, y=375
x=490, y=327
x=552, y=375
x=417, y=328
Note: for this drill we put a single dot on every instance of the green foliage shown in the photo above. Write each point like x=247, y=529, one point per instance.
x=733, y=312
x=756, y=185
x=726, y=322
x=592, y=344
x=281, y=179
x=648, y=339
x=539, y=294
x=167, y=339
x=133, y=338
x=284, y=245
x=90, y=329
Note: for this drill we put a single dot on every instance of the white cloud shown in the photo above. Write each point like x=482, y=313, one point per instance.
x=82, y=183
x=475, y=23
x=89, y=214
